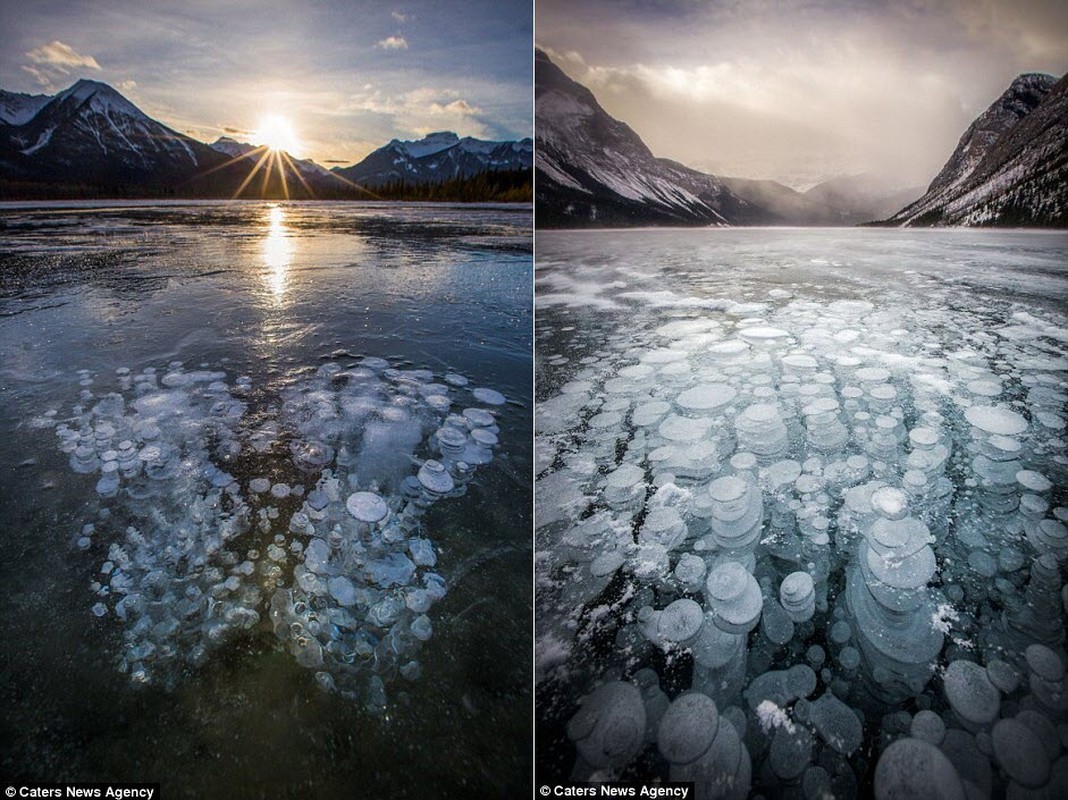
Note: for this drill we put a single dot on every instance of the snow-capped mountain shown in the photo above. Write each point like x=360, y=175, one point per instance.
x=593, y=169
x=435, y=158
x=91, y=133
x=17, y=108
x=1010, y=167
x=89, y=140
x=235, y=149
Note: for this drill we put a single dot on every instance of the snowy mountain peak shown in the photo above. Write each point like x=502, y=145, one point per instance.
x=18, y=109
x=231, y=147
x=428, y=145
x=100, y=97
x=437, y=157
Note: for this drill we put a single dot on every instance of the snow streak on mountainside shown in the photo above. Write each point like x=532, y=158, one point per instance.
x=91, y=133
x=593, y=170
x=1010, y=167
x=436, y=158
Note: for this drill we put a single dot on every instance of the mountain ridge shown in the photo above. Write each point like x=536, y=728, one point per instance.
x=1009, y=168
x=90, y=140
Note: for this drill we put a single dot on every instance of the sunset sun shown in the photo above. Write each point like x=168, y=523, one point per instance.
x=277, y=133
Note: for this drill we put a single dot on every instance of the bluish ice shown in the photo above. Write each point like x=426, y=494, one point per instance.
x=800, y=516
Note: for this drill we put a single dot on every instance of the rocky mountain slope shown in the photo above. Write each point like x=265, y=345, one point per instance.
x=1010, y=167
x=436, y=158
x=593, y=170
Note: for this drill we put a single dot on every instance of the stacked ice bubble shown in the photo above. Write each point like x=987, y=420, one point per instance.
x=364, y=579
x=764, y=533
x=309, y=512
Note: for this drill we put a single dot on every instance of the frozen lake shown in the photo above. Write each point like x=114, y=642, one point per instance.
x=800, y=510
x=266, y=480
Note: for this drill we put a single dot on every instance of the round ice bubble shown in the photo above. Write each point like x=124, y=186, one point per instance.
x=687, y=728
x=971, y=695
x=609, y=728
x=434, y=477
x=367, y=507
x=680, y=621
x=488, y=396
x=914, y=768
x=1020, y=753
x=996, y=420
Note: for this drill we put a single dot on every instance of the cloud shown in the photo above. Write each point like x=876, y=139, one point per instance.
x=799, y=90
x=126, y=86
x=393, y=43
x=400, y=16
x=60, y=56
x=55, y=60
x=457, y=108
x=229, y=129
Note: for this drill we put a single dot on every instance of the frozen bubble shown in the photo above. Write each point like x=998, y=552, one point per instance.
x=488, y=396
x=434, y=477
x=317, y=555
x=609, y=728
x=706, y=397
x=734, y=597
x=479, y=417
x=454, y=379
x=912, y=769
x=1033, y=481
x=1043, y=727
x=1020, y=753
x=892, y=503
x=100, y=609
x=687, y=728
x=984, y=388
x=367, y=507
x=691, y=570
x=872, y=375
x=685, y=430
x=395, y=569
x=927, y=725
x=680, y=621
x=973, y=698
x=791, y=751
x=762, y=333
x=422, y=628
x=342, y=590
x=997, y=419
x=849, y=658
x=1003, y=675
x=422, y=552
x=280, y=491
x=728, y=490
x=776, y=624
x=1044, y=662
x=799, y=361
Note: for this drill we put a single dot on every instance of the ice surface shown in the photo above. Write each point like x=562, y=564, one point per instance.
x=865, y=445
x=322, y=550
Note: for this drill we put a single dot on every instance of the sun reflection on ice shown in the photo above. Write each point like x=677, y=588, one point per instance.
x=277, y=251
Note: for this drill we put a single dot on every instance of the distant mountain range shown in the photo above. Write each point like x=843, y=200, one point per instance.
x=438, y=157
x=89, y=140
x=1010, y=167
x=593, y=170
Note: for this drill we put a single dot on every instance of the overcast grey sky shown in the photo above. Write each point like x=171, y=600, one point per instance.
x=800, y=91
x=349, y=74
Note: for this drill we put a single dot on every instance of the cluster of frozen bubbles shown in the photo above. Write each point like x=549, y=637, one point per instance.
x=808, y=549
x=223, y=508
